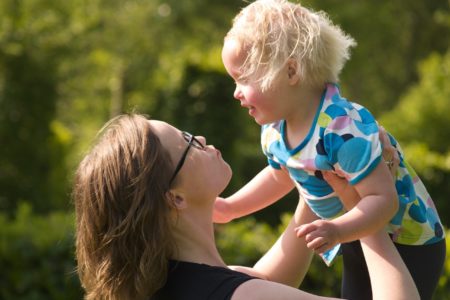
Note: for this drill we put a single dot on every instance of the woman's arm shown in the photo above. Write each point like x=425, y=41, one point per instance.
x=283, y=266
x=288, y=260
x=265, y=188
x=389, y=276
x=390, y=279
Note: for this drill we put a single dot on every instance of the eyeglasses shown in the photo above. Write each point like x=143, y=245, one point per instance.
x=192, y=142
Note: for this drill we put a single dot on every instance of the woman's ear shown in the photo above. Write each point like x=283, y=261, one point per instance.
x=176, y=200
x=292, y=71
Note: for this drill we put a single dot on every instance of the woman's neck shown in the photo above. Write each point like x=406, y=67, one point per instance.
x=194, y=237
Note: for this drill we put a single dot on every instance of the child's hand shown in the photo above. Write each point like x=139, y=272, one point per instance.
x=221, y=213
x=320, y=235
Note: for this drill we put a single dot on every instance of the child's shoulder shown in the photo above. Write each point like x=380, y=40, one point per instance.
x=335, y=106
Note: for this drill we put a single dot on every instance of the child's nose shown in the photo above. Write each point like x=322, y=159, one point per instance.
x=237, y=93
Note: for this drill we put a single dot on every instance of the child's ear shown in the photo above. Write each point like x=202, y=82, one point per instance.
x=292, y=71
x=176, y=200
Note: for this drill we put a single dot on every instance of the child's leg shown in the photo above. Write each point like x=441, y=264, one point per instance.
x=355, y=277
x=425, y=263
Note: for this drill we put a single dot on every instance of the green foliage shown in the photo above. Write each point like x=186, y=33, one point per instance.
x=443, y=291
x=425, y=106
x=244, y=242
x=31, y=152
x=37, y=256
x=424, y=128
x=392, y=37
x=68, y=66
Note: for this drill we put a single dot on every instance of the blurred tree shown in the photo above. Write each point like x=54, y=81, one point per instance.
x=392, y=37
x=37, y=257
x=421, y=123
x=68, y=66
x=32, y=153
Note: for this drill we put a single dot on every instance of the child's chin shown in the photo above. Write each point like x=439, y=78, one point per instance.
x=262, y=122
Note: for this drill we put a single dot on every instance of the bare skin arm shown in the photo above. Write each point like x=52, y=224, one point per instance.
x=390, y=279
x=374, y=202
x=288, y=260
x=379, y=252
x=377, y=206
x=283, y=266
x=346, y=192
x=265, y=188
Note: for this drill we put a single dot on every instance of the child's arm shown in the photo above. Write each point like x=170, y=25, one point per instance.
x=264, y=189
x=377, y=206
x=371, y=204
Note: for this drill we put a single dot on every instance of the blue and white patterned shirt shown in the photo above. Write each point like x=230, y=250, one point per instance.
x=344, y=139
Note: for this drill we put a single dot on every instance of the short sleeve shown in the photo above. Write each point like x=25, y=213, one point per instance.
x=352, y=144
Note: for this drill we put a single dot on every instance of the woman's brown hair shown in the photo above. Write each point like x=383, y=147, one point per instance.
x=123, y=236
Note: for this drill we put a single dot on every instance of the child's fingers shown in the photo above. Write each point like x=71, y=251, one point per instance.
x=317, y=243
x=303, y=230
x=324, y=247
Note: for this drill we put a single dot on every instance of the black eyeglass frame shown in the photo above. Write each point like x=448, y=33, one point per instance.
x=192, y=142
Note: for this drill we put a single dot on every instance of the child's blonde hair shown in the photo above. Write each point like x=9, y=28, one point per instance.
x=274, y=31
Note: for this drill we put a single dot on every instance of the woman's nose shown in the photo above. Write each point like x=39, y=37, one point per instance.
x=201, y=139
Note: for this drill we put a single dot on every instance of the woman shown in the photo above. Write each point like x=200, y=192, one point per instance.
x=144, y=198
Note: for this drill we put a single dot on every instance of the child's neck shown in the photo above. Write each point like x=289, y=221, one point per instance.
x=299, y=122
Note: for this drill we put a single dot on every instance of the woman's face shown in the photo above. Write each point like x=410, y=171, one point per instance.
x=203, y=173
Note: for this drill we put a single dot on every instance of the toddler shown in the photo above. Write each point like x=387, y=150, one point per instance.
x=285, y=60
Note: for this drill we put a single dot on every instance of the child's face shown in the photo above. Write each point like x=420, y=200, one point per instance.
x=261, y=105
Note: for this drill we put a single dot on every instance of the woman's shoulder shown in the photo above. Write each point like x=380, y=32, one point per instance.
x=269, y=290
x=187, y=280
